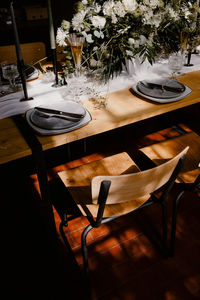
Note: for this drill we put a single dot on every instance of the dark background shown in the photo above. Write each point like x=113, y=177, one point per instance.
x=32, y=28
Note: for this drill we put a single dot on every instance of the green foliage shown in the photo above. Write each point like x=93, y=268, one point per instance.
x=147, y=30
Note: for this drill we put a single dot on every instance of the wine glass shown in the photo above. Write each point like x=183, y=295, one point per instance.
x=76, y=44
x=175, y=63
x=10, y=72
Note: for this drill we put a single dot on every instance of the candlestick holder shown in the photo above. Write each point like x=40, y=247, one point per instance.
x=53, y=45
x=54, y=60
x=188, y=64
x=20, y=62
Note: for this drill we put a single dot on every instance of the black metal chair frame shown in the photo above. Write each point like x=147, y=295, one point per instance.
x=184, y=187
x=103, y=193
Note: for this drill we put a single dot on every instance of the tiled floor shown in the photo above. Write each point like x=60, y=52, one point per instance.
x=124, y=262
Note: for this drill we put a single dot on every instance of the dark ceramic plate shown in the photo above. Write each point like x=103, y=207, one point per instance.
x=156, y=91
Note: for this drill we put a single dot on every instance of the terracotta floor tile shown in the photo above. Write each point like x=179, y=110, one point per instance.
x=186, y=128
x=77, y=224
x=76, y=236
x=151, y=251
x=138, y=285
x=156, y=137
x=180, y=290
x=192, y=284
x=101, y=262
x=92, y=157
x=103, y=230
x=122, y=223
x=187, y=258
x=104, y=243
x=169, y=133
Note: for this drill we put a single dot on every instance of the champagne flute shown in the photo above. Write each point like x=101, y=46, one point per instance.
x=76, y=44
x=10, y=72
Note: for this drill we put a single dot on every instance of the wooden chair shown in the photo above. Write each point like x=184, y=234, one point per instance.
x=189, y=177
x=114, y=186
x=31, y=52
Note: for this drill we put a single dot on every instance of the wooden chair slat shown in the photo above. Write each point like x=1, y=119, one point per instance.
x=31, y=52
x=163, y=151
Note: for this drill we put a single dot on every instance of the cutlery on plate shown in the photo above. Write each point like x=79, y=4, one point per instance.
x=48, y=116
x=58, y=112
x=163, y=87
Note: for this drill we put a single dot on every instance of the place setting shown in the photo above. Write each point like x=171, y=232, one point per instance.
x=164, y=89
x=161, y=90
x=57, y=118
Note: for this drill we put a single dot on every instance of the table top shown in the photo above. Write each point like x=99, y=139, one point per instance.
x=122, y=108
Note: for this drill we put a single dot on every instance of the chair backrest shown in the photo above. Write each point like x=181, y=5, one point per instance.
x=31, y=52
x=127, y=187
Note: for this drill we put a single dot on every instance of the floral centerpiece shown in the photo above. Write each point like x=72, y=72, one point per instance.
x=117, y=30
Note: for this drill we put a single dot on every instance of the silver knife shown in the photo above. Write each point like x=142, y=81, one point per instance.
x=58, y=112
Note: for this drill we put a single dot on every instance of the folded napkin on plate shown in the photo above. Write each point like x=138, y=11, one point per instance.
x=161, y=88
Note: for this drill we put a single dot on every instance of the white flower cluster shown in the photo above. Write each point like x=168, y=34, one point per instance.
x=129, y=26
x=88, y=19
x=91, y=20
x=77, y=20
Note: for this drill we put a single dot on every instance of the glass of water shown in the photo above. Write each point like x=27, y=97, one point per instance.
x=175, y=63
x=10, y=72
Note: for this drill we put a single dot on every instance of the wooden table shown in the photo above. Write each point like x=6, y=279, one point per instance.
x=123, y=108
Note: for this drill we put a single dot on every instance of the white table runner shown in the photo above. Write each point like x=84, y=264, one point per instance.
x=43, y=92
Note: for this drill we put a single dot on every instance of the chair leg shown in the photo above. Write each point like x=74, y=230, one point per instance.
x=173, y=223
x=84, y=250
x=164, y=228
x=65, y=220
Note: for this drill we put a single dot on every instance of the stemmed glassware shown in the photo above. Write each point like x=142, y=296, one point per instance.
x=10, y=72
x=84, y=82
x=76, y=44
x=76, y=81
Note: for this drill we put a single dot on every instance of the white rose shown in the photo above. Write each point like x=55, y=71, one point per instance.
x=108, y=8
x=119, y=9
x=65, y=25
x=142, y=39
x=129, y=5
x=77, y=20
x=131, y=41
x=61, y=37
x=152, y=3
x=98, y=22
x=160, y=3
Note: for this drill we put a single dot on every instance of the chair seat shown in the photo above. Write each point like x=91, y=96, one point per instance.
x=163, y=151
x=78, y=181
